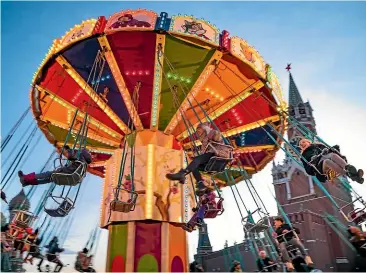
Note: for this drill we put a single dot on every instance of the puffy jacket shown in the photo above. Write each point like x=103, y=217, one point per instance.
x=289, y=235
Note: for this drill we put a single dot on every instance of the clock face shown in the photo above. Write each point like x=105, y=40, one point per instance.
x=295, y=145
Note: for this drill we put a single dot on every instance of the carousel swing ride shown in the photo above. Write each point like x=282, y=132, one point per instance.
x=132, y=89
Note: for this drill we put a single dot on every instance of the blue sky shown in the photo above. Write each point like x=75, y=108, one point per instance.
x=325, y=42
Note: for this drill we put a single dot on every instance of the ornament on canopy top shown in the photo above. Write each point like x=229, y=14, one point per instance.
x=78, y=32
x=141, y=19
x=191, y=26
x=163, y=22
x=241, y=49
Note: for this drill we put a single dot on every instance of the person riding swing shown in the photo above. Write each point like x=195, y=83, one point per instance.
x=326, y=163
x=285, y=236
x=46, y=177
x=206, y=202
x=207, y=136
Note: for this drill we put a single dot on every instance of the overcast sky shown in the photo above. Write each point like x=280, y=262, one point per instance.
x=324, y=41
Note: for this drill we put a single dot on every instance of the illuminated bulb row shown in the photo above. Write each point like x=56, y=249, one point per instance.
x=214, y=94
x=237, y=116
x=225, y=39
x=100, y=152
x=79, y=80
x=96, y=165
x=178, y=78
x=244, y=128
x=77, y=95
x=102, y=79
x=138, y=73
x=122, y=88
x=156, y=89
x=202, y=79
x=247, y=151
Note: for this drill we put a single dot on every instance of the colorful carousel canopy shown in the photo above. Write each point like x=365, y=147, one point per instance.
x=213, y=75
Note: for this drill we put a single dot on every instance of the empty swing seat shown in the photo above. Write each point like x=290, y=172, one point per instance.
x=218, y=164
x=123, y=206
x=358, y=216
x=71, y=179
x=62, y=208
x=214, y=210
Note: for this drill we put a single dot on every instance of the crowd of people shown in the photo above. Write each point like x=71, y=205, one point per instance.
x=25, y=246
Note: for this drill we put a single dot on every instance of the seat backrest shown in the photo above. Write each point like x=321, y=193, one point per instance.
x=220, y=204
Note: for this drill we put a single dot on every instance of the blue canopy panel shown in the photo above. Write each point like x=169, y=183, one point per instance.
x=82, y=56
x=255, y=137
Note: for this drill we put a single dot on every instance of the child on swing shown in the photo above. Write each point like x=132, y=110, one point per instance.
x=206, y=135
x=206, y=201
x=322, y=161
x=46, y=177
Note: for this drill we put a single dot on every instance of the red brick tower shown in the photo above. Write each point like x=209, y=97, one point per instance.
x=304, y=202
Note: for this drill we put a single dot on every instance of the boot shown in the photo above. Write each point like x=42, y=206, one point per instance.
x=28, y=179
x=180, y=176
x=200, y=188
x=360, y=176
x=308, y=261
x=351, y=172
x=289, y=266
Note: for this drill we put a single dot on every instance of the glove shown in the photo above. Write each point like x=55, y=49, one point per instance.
x=325, y=151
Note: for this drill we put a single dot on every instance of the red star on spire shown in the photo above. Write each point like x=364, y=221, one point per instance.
x=288, y=67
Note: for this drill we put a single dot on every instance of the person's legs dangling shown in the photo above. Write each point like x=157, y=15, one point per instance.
x=34, y=179
x=192, y=166
x=336, y=163
x=297, y=243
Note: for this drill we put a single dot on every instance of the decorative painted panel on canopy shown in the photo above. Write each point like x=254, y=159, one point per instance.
x=77, y=33
x=242, y=50
x=140, y=19
x=197, y=28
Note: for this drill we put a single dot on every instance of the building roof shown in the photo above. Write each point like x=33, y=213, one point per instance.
x=20, y=202
x=294, y=98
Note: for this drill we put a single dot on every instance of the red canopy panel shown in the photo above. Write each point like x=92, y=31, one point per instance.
x=252, y=109
x=252, y=159
x=135, y=55
x=58, y=81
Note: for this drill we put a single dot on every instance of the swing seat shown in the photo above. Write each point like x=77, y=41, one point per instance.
x=215, y=210
x=23, y=219
x=218, y=164
x=251, y=226
x=358, y=216
x=63, y=206
x=123, y=206
x=70, y=179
